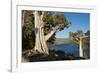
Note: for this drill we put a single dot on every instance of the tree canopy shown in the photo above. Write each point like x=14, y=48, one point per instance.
x=75, y=36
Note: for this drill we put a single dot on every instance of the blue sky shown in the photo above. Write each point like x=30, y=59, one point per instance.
x=80, y=21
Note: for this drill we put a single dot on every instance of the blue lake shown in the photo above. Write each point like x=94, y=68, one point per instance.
x=69, y=48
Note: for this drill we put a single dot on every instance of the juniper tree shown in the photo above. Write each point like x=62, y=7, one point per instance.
x=45, y=25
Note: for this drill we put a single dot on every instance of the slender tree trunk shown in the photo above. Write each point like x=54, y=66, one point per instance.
x=80, y=48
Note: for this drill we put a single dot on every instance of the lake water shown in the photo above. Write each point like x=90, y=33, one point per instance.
x=69, y=48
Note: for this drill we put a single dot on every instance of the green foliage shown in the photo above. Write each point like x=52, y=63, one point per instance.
x=51, y=21
x=87, y=33
x=47, y=18
x=28, y=36
x=75, y=36
x=86, y=41
x=60, y=21
x=56, y=20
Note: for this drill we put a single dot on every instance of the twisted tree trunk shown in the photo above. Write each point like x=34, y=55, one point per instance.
x=40, y=42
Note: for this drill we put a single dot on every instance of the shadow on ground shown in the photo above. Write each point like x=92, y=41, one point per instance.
x=54, y=55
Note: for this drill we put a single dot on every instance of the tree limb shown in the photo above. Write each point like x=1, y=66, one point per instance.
x=49, y=35
x=56, y=29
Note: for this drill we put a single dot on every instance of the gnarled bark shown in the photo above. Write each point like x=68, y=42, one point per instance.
x=49, y=35
x=37, y=39
x=40, y=43
x=40, y=40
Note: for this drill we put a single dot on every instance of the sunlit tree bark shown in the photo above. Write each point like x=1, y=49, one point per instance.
x=41, y=39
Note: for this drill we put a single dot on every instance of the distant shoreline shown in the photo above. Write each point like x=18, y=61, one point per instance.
x=63, y=41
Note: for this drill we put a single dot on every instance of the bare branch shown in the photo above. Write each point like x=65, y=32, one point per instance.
x=49, y=35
